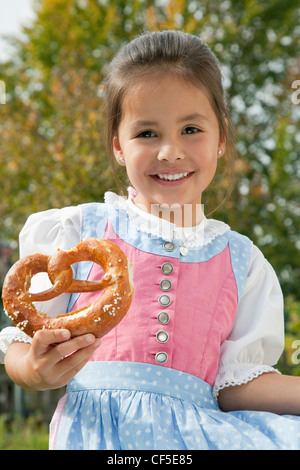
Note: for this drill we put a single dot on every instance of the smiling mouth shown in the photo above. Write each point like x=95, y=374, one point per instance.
x=173, y=177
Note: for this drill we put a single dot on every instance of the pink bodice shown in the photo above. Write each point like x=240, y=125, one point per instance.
x=186, y=334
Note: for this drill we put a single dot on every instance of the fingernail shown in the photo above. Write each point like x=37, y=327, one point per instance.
x=90, y=338
x=65, y=334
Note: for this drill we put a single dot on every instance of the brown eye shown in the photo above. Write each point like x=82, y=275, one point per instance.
x=190, y=130
x=147, y=134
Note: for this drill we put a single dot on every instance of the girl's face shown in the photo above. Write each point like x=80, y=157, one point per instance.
x=170, y=141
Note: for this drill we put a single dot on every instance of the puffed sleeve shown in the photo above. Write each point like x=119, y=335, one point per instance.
x=44, y=232
x=256, y=341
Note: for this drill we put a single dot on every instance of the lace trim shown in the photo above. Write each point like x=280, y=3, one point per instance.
x=263, y=369
x=9, y=335
x=192, y=237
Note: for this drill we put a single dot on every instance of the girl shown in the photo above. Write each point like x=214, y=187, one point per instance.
x=205, y=326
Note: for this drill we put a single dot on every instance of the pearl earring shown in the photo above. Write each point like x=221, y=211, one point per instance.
x=220, y=153
x=121, y=160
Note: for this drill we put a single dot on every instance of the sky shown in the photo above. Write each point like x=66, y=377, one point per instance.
x=13, y=14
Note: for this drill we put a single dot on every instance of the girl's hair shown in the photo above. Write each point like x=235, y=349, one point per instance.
x=155, y=54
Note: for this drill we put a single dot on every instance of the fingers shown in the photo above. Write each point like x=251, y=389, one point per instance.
x=71, y=365
x=64, y=349
x=56, y=359
x=57, y=344
x=43, y=339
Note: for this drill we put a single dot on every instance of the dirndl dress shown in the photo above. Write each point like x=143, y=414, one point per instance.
x=135, y=406
x=202, y=318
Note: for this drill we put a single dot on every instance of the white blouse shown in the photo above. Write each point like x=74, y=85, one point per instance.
x=257, y=339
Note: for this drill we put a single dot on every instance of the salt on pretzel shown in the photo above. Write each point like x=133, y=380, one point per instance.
x=98, y=318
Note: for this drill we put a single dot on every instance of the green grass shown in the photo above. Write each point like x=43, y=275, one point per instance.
x=23, y=434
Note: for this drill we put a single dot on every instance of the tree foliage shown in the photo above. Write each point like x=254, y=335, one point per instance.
x=52, y=142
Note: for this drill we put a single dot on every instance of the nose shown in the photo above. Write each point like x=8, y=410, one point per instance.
x=170, y=152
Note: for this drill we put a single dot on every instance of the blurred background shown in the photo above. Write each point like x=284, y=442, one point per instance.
x=53, y=56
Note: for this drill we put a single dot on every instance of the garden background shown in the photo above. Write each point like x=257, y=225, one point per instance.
x=52, y=130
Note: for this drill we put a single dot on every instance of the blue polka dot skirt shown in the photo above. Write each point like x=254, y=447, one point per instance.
x=134, y=406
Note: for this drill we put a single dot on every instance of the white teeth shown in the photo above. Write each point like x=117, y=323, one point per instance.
x=177, y=176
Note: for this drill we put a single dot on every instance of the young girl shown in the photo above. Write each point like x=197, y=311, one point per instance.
x=205, y=327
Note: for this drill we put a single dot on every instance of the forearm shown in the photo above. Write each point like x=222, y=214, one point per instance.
x=270, y=392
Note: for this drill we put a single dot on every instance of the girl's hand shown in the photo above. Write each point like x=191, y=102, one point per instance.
x=51, y=361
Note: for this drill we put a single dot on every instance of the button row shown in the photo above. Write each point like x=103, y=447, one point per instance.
x=164, y=300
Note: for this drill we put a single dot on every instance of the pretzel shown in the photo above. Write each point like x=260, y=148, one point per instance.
x=99, y=317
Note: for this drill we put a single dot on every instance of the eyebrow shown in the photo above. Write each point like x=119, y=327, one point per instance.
x=189, y=117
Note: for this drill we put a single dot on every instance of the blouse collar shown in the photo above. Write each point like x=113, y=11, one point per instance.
x=196, y=236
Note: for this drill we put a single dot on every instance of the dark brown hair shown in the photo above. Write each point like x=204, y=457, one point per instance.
x=157, y=54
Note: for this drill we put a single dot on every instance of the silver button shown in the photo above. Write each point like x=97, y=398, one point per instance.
x=162, y=336
x=167, y=268
x=165, y=285
x=161, y=357
x=163, y=318
x=164, y=300
x=169, y=246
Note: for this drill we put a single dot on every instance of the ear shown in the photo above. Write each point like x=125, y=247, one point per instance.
x=222, y=141
x=118, y=151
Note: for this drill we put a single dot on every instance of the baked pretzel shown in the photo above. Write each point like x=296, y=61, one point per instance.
x=98, y=318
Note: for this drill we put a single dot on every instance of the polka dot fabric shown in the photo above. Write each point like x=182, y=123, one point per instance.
x=240, y=251
x=133, y=406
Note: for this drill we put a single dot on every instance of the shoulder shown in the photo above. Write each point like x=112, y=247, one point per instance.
x=219, y=233
x=243, y=246
x=55, y=216
x=253, y=272
x=249, y=265
x=215, y=228
x=51, y=229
